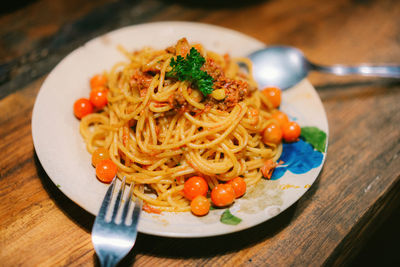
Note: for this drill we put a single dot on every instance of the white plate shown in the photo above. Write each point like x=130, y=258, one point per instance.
x=63, y=155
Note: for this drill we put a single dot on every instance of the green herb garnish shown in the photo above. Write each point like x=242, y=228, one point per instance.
x=228, y=218
x=188, y=69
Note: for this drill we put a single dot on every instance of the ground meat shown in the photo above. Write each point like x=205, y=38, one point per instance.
x=141, y=81
x=182, y=47
x=212, y=68
x=171, y=50
x=156, y=68
x=178, y=101
x=235, y=90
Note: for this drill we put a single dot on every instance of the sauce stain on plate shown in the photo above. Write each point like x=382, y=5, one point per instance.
x=264, y=194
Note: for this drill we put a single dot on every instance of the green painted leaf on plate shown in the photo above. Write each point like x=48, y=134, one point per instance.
x=314, y=136
x=228, y=218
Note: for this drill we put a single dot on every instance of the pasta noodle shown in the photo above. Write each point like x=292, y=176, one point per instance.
x=159, y=130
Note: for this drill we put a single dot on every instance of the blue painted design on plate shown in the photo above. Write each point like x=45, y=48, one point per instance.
x=299, y=157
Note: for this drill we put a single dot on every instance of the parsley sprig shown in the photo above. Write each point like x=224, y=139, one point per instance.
x=188, y=69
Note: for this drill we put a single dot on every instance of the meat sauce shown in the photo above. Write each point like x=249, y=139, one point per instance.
x=235, y=90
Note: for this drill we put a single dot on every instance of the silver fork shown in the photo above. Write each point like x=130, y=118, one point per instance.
x=112, y=240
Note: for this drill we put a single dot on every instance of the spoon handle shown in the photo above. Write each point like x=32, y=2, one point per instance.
x=391, y=71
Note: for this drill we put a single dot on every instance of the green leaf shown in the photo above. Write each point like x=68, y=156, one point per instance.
x=315, y=137
x=58, y=185
x=228, y=218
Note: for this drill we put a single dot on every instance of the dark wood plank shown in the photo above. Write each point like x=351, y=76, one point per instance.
x=36, y=54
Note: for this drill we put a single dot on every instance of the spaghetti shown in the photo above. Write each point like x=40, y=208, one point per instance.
x=160, y=130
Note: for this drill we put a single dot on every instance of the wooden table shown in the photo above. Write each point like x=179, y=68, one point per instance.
x=357, y=189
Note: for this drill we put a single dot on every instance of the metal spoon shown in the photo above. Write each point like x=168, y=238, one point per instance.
x=285, y=66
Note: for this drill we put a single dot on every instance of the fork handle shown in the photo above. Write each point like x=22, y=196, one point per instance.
x=389, y=71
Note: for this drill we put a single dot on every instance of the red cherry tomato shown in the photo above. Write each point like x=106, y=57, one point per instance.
x=82, y=107
x=200, y=205
x=223, y=195
x=274, y=95
x=99, y=154
x=291, y=131
x=280, y=117
x=98, y=97
x=239, y=186
x=106, y=170
x=98, y=80
x=195, y=186
x=272, y=134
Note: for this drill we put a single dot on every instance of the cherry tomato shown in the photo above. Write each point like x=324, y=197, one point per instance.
x=106, y=170
x=98, y=80
x=281, y=118
x=272, y=134
x=200, y=205
x=195, y=186
x=291, y=131
x=223, y=195
x=98, y=97
x=274, y=95
x=239, y=186
x=82, y=107
x=268, y=168
x=99, y=154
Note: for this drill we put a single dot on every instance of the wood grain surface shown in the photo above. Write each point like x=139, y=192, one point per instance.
x=357, y=189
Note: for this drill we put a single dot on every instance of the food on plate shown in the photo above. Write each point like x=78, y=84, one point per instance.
x=184, y=125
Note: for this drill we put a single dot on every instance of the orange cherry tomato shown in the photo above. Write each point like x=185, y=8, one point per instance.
x=99, y=154
x=274, y=95
x=98, y=80
x=82, y=107
x=281, y=118
x=106, y=170
x=195, y=186
x=223, y=195
x=291, y=131
x=268, y=168
x=200, y=205
x=239, y=186
x=272, y=134
x=98, y=97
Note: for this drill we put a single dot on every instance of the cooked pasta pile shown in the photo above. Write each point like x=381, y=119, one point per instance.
x=160, y=130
